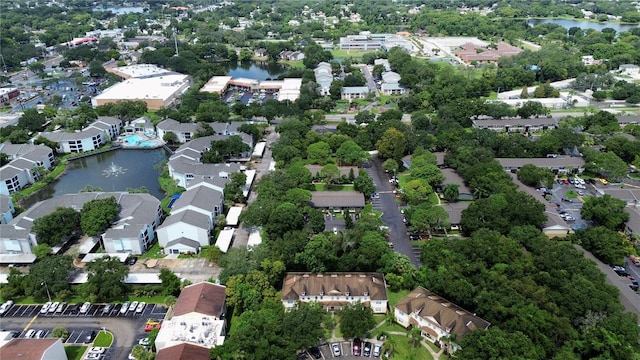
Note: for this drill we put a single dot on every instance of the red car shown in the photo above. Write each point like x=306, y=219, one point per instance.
x=357, y=346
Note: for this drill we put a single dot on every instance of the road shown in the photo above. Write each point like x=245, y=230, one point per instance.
x=370, y=82
x=629, y=298
x=391, y=213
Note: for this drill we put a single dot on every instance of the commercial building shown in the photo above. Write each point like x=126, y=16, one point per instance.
x=436, y=317
x=472, y=53
x=8, y=93
x=559, y=165
x=155, y=86
x=517, y=124
x=368, y=41
x=334, y=291
x=286, y=89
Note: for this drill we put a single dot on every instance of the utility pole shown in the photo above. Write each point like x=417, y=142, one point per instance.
x=175, y=41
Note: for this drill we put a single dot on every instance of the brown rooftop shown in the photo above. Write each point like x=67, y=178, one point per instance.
x=183, y=351
x=297, y=284
x=26, y=349
x=450, y=317
x=204, y=298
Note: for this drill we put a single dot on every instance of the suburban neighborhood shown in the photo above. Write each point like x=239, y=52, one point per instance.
x=296, y=180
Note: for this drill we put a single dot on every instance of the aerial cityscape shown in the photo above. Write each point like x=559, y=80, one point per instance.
x=292, y=179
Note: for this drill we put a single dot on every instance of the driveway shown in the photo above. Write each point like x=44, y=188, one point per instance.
x=574, y=207
x=391, y=214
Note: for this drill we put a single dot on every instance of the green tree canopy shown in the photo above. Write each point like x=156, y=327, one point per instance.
x=106, y=280
x=356, y=320
x=52, y=228
x=606, y=211
x=98, y=215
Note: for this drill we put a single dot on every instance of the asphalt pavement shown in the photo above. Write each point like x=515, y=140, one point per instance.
x=391, y=214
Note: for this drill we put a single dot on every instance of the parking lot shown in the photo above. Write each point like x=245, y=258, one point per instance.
x=573, y=206
x=127, y=328
x=345, y=351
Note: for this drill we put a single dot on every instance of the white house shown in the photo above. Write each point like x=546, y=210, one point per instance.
x=110, y=125
x=25, y=167
x=183, y=131
x=354, y=92
x=324, y=77
x=88, y=139
x=192, y=218
x=391, y=84
x=6, y=209
x=334, y=291
x=435, y=316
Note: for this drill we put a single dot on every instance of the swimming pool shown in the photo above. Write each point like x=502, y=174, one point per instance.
x=133, y=139
x=138, y=141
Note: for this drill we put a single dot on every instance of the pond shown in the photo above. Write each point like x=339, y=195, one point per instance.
x=256, y=70
x=585, y=25
x=112, y=171
x=121, y=10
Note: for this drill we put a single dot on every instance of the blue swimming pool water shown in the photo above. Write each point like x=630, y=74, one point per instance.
x=136, y=140
x=148, y=144
x=133, y=139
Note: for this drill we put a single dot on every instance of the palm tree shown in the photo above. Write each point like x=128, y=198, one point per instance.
x=390, y=346
x=416, y=336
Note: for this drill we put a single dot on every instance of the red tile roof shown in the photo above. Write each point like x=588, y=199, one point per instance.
x=183, y=352
x=26, y=349
x=204, y=298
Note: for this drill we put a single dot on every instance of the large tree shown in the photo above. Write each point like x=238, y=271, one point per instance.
x=606, y=211
x=605, y=244
x=356, y=320
x=98, y=215
x=52, y=228
x=350, y=153
x=170, y=282
x=49, y=275
x=106, y=280
x=392, y=145
x=534, y=176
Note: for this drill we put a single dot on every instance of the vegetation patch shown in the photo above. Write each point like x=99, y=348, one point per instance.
x=329, y=187
x=155, y=252
x=75, y=352
x=395, y=296
x=403, y=348
x=571, y=194
x=104, y=339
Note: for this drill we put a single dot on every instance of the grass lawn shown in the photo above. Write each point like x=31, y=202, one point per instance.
x=325, y=187
x=75, y=352
x=571, y=194
x=406, y=351
x=386, y=328
x=345, y=54
x=158, y=299
x=153, y=253
x=104, y=339
x=395, y=296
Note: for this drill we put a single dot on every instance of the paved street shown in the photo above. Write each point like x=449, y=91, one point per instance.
x=391, y=213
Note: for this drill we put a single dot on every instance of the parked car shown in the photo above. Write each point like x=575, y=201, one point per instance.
x=53, y=307
x=30, y=333
x=5, y=307
x=357, y=347
x=74, y=308
x=315, y=352
x=366, y=351
x=97, y=350
x=143, y=342
x=45, y=307
x=131, y=260
x=133, y=306
x=93, y=356
x=124, y=308
x=107, y=308
x=40, y=334
x=61, y=307
x=335, y=349
x=85, y=307
x=90, y=336
x=140, y=307
x=377, y=348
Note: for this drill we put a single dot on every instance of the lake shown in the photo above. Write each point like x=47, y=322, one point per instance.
x=112, y=171
x=256, y=70
x=569, y=23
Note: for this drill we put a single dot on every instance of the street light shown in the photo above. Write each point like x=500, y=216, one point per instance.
x=46, y=287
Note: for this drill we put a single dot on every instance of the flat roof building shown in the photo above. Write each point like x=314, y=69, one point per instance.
x=156, y=91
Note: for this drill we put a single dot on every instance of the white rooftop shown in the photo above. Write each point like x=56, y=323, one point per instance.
x=224, y=240
x=203, y=331
x=160, y=87
x=233, y=215
x=216, y=84
x=87, y=245
x=258, y=150
x=141, y=70
x=95, y=256
x=254, y=238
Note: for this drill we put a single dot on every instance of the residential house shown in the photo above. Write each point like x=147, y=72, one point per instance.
x=628, y=120
x=261, y=53
x=110, y=125
x=324, y=78
x=6, y=209
x=344, y=170
x=383, y=62
x=438, y=318
x=559, y=165
x=89, y=139
x=337, y=200
x=140, y=125
x=192, y=218
x=629, y=69
x=134, y=231
x=455, y=210
x=334, y=291
x=198, y=318
x=391, y=84
x=516, y=124
x=183, y=351
x=32, y=349
x=183, y=131
x=25, y=166
x=354, y=92
x=291, y=55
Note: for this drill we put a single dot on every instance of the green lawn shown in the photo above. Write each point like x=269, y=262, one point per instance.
x=395, y=296
x=406, y=351
x=325, y=187
x=104, y=339
x=571, y=194
x=75, y=352
x=158, y=299
x=345, y=54
x=153, y=253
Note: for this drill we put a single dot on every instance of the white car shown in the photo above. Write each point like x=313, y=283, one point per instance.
x=335, y=348
x=143, y=342
x=377, y=348
x=133, y=306
x=85, y=307
x=53, y=307
x=124, y=308
x=45, y=307
x=97, y=350
x=5, y=307
x=93, y=356
x=140, y=307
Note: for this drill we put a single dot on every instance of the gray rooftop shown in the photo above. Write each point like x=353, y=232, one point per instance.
x=38, y=153
x=66, y=136
x=557, y=162
x=201, y=197
x=16, y=150
x=515, y=122
x=183, y=241
x=5, y=200
x=183, y=165
x=455, y=210
x=355, y=90
x=338, y=199
x=452, y=177
x=175, y=126
x=109, y=120
x=9, y=171
x=190, y=217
